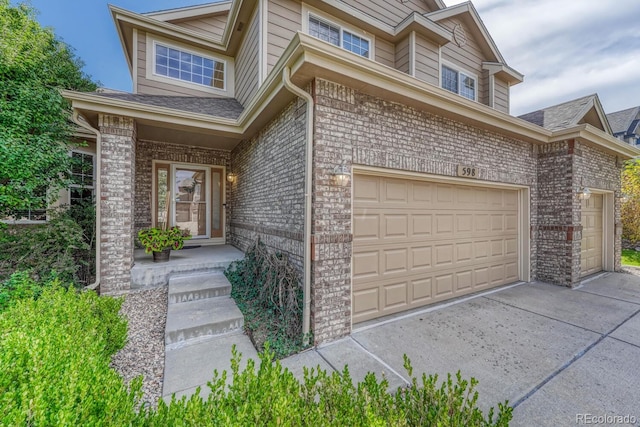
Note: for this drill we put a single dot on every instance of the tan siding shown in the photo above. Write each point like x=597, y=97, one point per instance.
x=427, y=61
x=153, y=87
x=483, y=87
x=468, y=57
x=247, y=66
x=501, y=96
x=285, y=19
x=212, y=26
x=391, y=12
x=385, y=53
x=402, y=56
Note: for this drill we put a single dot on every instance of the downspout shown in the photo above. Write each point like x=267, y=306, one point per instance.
x=306, y=293
x=85, y=125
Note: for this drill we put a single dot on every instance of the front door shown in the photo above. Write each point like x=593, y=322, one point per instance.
x=190, y=197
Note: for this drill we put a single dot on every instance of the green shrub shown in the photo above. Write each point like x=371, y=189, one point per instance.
x=58, y=246
x=21, y=285
x=54, y=361
x=268, y=394
x=268, y=291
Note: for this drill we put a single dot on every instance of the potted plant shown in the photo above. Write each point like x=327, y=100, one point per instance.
x=160, y=241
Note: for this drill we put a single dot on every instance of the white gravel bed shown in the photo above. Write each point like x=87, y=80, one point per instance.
x=143, y=354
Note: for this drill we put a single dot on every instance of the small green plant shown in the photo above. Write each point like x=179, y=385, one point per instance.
x=630, y=257
x=265, y=394
x=158, y=239
x=21, y=285
x=267, y=289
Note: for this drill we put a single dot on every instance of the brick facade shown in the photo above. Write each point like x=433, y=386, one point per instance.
x=116, y=198
x=267, y=199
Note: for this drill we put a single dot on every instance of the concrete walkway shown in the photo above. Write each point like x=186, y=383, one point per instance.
x=556, y=354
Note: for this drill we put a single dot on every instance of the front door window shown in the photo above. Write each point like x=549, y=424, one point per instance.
x=191, y=197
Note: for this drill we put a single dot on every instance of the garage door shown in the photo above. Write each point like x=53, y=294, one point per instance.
x=416, y=243
x=591, y=245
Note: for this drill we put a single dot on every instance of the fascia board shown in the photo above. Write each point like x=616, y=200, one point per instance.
x=420, y=24
x=512, y=76
x=88, y=101
x=371, y=73
x=166, y=29
x=190, y=11
x=592, y=135
x=125, y=50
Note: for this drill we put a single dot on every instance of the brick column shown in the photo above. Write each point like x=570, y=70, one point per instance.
x=117, y=185
x=558, y=231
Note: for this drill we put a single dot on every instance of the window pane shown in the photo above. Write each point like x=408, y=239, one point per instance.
x=324, y=31
x=189, y=67
x=82, y=169
x=468, y=87
x=356, y=44
x=449, y=79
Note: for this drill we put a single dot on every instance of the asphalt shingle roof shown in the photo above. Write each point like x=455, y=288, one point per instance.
x=560, y=116
x=228, y=108
x=623, y=121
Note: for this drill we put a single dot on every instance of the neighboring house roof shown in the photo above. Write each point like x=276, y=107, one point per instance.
x=625, y=121
x=228, y=108
x=587, y=109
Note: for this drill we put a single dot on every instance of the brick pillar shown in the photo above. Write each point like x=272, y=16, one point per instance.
x=558, y=231
x=117, y=189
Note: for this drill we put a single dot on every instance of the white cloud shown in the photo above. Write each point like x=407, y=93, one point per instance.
x=567, y=49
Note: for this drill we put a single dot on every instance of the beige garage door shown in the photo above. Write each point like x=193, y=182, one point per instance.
x=416, y=243
x=591, y=245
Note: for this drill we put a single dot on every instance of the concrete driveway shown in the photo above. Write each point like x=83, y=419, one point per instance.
x=560, y=356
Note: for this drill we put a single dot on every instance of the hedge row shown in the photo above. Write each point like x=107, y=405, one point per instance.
x=54, y=370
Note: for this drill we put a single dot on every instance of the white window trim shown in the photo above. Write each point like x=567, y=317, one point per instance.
x=308, y=12
x=229, y=66
x=92, y=187
x=463, y=71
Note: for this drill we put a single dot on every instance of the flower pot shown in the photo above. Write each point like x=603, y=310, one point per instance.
x=162, y=256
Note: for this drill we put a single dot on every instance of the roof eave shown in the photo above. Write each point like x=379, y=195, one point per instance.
x=594, y=136
x=504, y=72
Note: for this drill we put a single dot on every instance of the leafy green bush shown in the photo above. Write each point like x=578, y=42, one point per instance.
x=59, y=246
x=267, y=289
x=22, y=286
x=267, y=395
x=54, y=361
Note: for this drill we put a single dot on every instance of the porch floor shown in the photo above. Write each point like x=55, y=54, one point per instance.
x=146, y=273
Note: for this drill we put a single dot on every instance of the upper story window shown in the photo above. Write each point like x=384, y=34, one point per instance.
x=339, y=36
x=459, y=82
x=189, y=67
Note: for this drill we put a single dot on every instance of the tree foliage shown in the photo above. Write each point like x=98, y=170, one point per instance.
x=35, y=124
x=631, y=207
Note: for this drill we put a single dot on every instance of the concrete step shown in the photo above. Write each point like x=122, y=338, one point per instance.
x=197, y=286
x=200, y=318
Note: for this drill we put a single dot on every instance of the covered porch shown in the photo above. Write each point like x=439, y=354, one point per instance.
x=191, y=259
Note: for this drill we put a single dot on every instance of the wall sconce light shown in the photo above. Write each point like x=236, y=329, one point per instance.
x=231, y=177
x=584, y=194
x=341, y=175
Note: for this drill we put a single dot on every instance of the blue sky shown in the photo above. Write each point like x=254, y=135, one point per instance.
x=565, y=48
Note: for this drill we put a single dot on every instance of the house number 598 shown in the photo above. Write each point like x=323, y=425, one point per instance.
x=467, y=171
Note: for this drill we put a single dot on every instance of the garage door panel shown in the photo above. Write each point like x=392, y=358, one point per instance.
x=592, y=229
x=366, y=227
x=366, y=190
x=434, y=242
x=366, y=303
x=421, y=290
x=421, y=225
x=396, y=226
x=395, y=296
x=366, y=264
x=395, y=261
